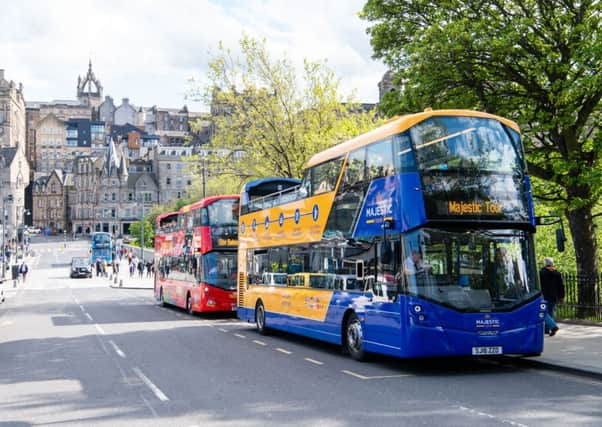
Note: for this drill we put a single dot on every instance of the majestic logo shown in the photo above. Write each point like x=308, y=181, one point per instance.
x=487, y=323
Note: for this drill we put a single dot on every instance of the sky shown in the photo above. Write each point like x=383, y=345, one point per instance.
x=148, y=51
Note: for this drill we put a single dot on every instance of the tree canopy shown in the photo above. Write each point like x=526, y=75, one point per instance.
x=268, y=120
x=538, y=63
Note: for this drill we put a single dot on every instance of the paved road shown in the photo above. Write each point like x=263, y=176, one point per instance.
x=77, y=352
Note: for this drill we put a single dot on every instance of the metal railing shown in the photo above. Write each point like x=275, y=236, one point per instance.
x=571, y=308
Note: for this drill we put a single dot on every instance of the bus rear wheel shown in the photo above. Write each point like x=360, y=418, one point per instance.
x=260, y=318
x=354, y=338
x=189, y=305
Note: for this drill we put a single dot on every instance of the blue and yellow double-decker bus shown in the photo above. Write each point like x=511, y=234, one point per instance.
x=413, y=240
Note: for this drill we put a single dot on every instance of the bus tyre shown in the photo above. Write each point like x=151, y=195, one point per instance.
x=189, y=305
x=354, y=338
x=260, y=318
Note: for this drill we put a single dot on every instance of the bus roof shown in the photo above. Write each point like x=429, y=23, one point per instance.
x=206, y=201
x=395, y=126
x=165, y=215
x=265, y=186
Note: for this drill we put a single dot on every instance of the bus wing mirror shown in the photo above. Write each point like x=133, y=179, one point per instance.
x=359, y=269
x=560, y=239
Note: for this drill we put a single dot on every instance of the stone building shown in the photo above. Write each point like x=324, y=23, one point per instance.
x=171, y=170
x=81, y=195
x=14, y=178
x=106, y=111
x=89, y=90
x=125, y=113
x=49, y=144
x=49, y=202
x=12, y=114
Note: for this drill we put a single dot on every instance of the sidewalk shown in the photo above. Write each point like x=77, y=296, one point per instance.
x=575, y=348
x=133, y=282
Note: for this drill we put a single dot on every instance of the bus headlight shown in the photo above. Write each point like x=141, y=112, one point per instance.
x=542, y=315
x=417, y=309
x=542, y=306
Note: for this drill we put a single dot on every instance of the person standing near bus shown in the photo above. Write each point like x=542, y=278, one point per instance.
x=552, y=288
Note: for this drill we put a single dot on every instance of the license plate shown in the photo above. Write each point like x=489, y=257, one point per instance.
x=480, y=351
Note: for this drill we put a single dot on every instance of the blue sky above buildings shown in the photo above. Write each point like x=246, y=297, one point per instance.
x=147, y=51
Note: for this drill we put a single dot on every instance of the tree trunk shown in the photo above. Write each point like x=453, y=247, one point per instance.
x=586, y=253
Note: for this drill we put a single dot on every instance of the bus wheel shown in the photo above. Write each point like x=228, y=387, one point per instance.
x=260, y=318
x=354, y=338
x=189, y=305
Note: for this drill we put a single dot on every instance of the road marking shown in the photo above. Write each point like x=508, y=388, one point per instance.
x=281, y=350
x=149, y=406
x=100, y=330
x=223, y=330
x=315, y=362
x=490, y=416
x=375, y=377
x=76, y=300
x=160, y=395
x=259, y=342
x=81, y=307
x=117, y=349
x=239, y=335
x=89, y=317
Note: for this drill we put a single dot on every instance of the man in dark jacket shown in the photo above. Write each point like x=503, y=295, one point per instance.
x=553, y=292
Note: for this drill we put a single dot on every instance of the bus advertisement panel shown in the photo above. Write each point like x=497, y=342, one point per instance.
x=197, y=259
x=413, y=240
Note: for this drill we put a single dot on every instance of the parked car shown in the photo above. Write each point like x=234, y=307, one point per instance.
x=34, y=230
x=80, y=267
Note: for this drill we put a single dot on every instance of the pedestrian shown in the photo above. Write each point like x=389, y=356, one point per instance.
x=116, y=264
x=23, y=270
x=140, y=268
x=131, y=267
x=149, y=266
x=552, y=288
x=98, y=267
x=104, y=268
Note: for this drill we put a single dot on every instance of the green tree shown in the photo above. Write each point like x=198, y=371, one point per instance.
x=268, y=121
x=537, y=62
x=149, y=231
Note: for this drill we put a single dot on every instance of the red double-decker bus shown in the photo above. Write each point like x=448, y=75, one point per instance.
x=196, y=255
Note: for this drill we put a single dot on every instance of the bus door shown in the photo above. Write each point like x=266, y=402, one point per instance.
x=383, y=311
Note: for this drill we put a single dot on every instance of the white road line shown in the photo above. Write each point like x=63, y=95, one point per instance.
x=76, y=301
x=259, y=342
x=149, y=406
x=223, y=330
x=281, y=350
x=160, y=395
x=239, y=335
x=117, y=349
x=89, y=317
x=100, y=330
x=315, y=362
x=81, y=307
x=374, y=377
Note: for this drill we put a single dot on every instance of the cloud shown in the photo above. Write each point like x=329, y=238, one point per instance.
x=147, y=51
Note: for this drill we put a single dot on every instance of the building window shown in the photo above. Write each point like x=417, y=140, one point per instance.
x=113, y=197
x=148, y=197
x=130, y=197
x=168, y=166
x=113, y=213
x=168, y=181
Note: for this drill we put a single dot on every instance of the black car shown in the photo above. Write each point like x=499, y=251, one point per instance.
x=80, y=267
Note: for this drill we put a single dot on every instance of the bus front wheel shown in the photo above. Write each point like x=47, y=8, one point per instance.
x=354, y=338
x=260, y=318
x=161, y=300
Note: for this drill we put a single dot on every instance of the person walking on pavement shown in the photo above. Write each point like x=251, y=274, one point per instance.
x=140, y=268
x=552, y=288
x=23, y=270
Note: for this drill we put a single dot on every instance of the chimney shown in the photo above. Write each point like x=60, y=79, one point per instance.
x=125, y=101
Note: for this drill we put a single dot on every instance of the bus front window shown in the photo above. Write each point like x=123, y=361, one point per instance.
x=471, y=271
x=219, y=269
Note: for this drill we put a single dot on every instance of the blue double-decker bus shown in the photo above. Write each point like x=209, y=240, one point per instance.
x=413, y=240
x=101, y=247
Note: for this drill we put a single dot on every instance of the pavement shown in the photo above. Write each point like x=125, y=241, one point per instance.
x=576, y=348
